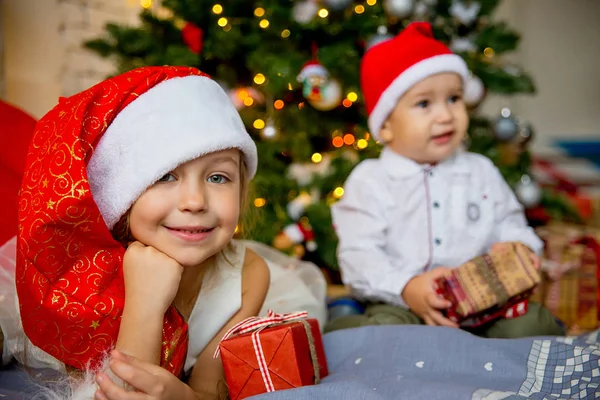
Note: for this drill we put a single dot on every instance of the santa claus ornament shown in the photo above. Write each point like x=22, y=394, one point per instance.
x=322, y=92
x=300, y=232
x=313, y=77
x=294, y=236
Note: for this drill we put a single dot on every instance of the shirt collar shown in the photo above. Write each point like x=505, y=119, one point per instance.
x=401, y=167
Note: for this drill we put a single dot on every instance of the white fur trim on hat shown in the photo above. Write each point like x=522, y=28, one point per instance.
x=407, y=79
x=313, y=69
x=174, y=122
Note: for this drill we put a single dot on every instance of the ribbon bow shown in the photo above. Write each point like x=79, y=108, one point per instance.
x=256, y=325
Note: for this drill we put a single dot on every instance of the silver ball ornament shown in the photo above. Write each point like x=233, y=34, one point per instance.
x=506, y=126
x=399, y=8
x=474, y=91
x=269, y=132
x=337, y=5
x=526, y=134
x=528, y=192
x=305, y=11
x=381, y=36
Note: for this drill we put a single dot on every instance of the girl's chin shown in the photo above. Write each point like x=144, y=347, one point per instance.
x=190, y=261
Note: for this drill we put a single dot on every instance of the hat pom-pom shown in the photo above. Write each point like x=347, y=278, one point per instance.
x=422, y=28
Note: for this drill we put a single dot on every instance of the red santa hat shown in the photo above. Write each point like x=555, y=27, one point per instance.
x=91, y=157
x=310, y=68
x=391, y=68
x=172, y=123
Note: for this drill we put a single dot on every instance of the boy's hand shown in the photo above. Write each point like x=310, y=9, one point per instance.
x=535, y=260
x=420, y=296
x=151, y=381
x=151, y=278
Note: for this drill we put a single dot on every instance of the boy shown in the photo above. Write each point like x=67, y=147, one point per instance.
x=425, y=205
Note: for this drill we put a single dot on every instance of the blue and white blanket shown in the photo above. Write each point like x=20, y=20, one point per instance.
x=421, y=362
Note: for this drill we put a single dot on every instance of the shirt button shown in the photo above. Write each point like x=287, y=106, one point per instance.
x=430, y=173
x=438, y=241
x=436, y=204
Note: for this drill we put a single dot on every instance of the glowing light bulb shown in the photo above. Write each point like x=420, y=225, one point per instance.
x=259, y=79
x=258, y=124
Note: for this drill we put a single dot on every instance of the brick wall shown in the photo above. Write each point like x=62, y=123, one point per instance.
x=43, y=53
x=81, y=20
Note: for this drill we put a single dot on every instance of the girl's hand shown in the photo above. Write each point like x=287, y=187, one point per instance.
x=151, y=278
x=420, y=296
x=151, y=381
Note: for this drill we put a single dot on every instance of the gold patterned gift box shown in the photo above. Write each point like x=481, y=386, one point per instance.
x=571, y=274
x=492, y=286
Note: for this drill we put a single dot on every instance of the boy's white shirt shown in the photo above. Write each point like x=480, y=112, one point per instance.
x=398, y=218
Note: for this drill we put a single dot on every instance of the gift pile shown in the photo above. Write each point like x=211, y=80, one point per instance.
x=276, y=352
x=571, y=275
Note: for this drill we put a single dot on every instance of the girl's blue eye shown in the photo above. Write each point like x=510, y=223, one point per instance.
x=167, y=178
x=454, y=99
x=217, y=178
x=423, y=104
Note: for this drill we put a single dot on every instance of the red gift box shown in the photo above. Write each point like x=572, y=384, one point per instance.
x=516, y=307
x=492, y=286
x=273, y=353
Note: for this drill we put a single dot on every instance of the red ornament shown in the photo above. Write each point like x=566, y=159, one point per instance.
x=193, y=37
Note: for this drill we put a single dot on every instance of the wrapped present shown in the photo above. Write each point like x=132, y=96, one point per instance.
x=588, y=207
x=279, y=351
x=571, y=265
x=492, y=286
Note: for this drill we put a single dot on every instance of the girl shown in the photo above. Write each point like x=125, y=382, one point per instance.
x=130, y=200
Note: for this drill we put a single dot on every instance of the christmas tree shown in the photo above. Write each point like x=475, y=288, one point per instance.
x=292, y=69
